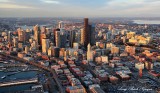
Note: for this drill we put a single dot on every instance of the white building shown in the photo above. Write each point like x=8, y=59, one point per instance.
x=75, y=45
x=89, y=53
x=139, y=65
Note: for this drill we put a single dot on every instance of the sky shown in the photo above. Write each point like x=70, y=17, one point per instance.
x=79, y=8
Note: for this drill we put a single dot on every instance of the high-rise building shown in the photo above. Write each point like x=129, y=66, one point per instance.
x=60, y=39
x=56, y=51
x=27, y=35
x=89, y=53
x=71, y=38
x=63, y=39
x=92, y=34
x=82, y=36
x=108, y=36
x=37, y=34
x=62, y=52
x=43, y=35
x=57, y=39
x=87, y=34
x=77, y=37
x=21, y=35
x=45, y=45
x=60, y=24
x=26, y=49
x=54, y=35
x=9, y=37
x=43, y=29
x=15, y=43
x=50, y=51
x=33, y=45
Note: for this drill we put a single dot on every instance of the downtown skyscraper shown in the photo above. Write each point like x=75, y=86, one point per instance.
x=86, y=34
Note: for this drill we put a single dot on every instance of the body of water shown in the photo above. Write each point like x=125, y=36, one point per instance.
x=11, y=76
x=14, y=89
x=146, y=21
x=20, y=75
x=31, y=27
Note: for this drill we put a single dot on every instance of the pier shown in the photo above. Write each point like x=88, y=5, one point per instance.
x=55, y=77
x=14, y=65
x=18, y=82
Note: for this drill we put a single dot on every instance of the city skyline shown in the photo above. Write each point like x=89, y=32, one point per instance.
x=70, y=56
x=80, y=8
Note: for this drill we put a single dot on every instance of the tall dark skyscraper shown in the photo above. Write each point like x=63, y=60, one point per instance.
x=85, y=23
x=87, y=34
x=63, y=39
x=92, y=35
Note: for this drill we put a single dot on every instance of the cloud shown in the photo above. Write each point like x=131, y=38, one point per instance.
x=13, y=6
x=4, y=1
x=51, y=1
x=125, y=8
x=80, y=8
x=151, y=0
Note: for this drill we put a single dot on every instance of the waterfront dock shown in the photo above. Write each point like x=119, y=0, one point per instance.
x=55, y=77
x=18, y=82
